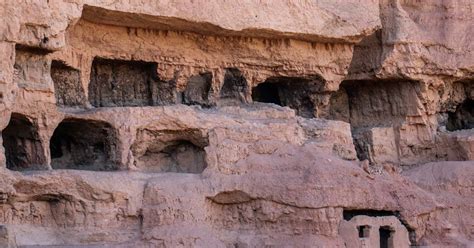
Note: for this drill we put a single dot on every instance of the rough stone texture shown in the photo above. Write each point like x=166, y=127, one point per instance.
x=115, y=83
x=236, y=123
x=296, y=93
x=83, y=144
x=198, y=89
x=67, y=85
x=23, y=147
x=170, y=150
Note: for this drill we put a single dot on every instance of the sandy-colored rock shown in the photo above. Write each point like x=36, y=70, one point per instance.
x=323, y=123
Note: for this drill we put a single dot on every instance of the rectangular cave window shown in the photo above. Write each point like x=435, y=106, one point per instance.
x=296, y=93
x=386, y=237
x=84, y=145
x=23, y=147
x=119, y=83
x=170, y=151
x=67, y=85
x=364, y=231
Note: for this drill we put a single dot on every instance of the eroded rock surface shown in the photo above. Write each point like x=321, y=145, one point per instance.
x=244, y=124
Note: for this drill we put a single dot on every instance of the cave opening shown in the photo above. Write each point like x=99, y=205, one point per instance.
x=198, y=89
x=170, y=151
x=364, y=231
x=67, y=85
x=122, y=83
x=84, y=145
x=267, y=93
x=297, y=93
x=386, y=237
x=349, y=214
x=235, y=86
x=23, y=146
x=462, y=118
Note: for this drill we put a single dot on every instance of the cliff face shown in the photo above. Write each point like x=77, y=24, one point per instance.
x=236, y=123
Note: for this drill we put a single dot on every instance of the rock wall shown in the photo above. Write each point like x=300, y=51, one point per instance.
x=237, y=124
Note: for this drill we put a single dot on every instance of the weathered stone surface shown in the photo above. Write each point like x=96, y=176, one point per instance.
x=67, y=85
x=323, y=123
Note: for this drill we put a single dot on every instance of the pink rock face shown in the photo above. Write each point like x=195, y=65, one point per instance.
x=236, y=123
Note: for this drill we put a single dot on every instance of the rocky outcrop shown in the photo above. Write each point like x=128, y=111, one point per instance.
x=236, y=123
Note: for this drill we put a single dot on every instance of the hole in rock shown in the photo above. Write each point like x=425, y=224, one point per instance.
x=386, y=237
x=296, y=93
x=128, y=83
x=170, y=151
x=198, y=89
x=84, y=145
x=32, y=50
x=462, y=118
x=266, y=92
x=67, y=85
x=23, y=147
x=349, y=214
x=234, y=87
x=364, y=231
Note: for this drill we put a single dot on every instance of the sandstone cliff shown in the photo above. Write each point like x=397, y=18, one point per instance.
x=324, y=123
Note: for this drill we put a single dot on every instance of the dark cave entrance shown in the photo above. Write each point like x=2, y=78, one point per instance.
x=296, y=93
x=266, y=92
x=84, y=145
x=349, y=214
x=463, y=117
x=386, y=237
x=23, y=147
x=364, y=231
